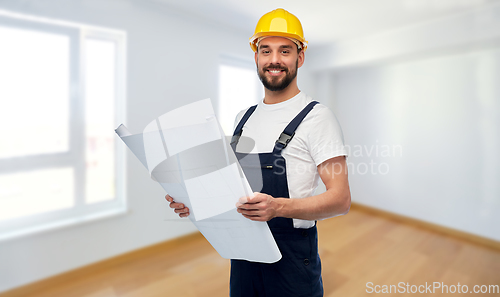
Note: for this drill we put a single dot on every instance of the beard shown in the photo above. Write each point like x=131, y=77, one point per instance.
x=277, y=83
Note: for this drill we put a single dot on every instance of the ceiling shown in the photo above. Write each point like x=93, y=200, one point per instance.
x=327, y=21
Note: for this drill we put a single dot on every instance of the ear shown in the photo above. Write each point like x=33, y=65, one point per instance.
x=302, y=57
x=256, y=59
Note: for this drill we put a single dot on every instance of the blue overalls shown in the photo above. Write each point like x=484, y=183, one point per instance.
x=298, y=273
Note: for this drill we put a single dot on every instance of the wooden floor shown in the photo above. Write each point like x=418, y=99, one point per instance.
x=355, y=249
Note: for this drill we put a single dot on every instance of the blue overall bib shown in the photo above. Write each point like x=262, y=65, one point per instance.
x=298, y=273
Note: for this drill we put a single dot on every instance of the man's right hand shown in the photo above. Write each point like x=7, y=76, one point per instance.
x=179, y=208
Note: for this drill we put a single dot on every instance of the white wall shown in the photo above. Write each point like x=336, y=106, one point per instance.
x=172, y=60
x=423, y=106
x=435, y=123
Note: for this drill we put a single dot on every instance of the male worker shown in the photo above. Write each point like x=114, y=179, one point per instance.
x=298, y=141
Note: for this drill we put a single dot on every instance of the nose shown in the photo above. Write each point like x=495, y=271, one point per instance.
x=275, y=57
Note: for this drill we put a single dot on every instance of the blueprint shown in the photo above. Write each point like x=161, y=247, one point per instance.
x=186, y=152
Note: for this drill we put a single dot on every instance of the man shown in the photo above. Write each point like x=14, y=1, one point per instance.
x=298, y=141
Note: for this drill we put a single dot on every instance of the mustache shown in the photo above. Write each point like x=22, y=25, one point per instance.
x=275, y=67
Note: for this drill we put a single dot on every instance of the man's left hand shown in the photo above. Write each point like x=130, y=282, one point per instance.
x=259, y=207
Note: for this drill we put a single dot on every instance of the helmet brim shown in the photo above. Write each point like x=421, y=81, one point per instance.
x=253, y=40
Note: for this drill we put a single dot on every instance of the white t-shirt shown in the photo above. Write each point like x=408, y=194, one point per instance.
x=317, y=139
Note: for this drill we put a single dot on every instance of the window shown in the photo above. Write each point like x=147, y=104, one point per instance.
x=239, y=88
x=61, y=96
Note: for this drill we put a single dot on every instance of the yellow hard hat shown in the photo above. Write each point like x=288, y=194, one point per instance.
x=279, y=22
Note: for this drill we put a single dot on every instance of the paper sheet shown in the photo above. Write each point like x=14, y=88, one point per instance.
x=186, y=152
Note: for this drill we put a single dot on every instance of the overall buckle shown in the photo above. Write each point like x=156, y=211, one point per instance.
x=284, y=139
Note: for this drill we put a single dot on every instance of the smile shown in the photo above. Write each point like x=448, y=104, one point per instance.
x=275, y=71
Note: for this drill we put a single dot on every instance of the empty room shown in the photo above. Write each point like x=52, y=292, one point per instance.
x=138, y=156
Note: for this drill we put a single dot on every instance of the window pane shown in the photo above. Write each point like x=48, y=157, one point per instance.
x=34, y=192
x=34, y=94
x=238, y=89
x=100, y=65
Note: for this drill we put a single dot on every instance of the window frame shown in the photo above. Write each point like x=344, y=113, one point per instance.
x=237, y=62
x=75, y=156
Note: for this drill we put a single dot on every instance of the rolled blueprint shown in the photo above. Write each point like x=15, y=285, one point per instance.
x=122, y=131
x=186, y=152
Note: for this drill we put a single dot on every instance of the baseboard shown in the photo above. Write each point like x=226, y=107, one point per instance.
x=58, y=280
x=487, y=242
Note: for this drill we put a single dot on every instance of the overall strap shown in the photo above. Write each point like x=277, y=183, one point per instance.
x=289, y=131
x=239, y=127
